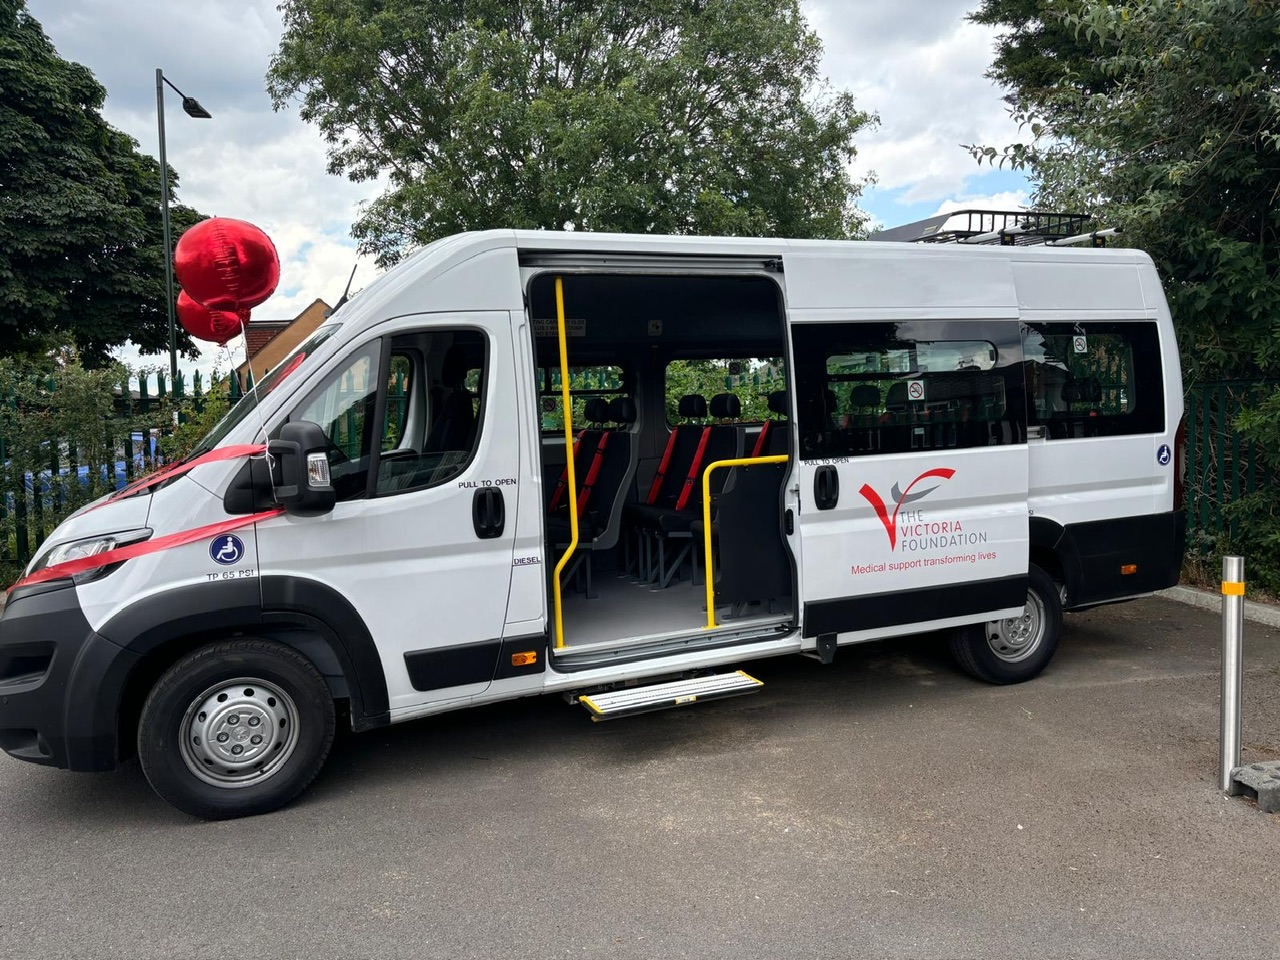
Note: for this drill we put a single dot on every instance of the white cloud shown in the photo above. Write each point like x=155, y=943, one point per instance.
x=920, y=65
x=1004, y=200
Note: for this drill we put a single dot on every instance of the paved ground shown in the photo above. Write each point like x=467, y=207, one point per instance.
x=884, y=806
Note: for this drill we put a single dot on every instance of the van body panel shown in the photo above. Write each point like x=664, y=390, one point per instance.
x=180, y=505
x=911, y=281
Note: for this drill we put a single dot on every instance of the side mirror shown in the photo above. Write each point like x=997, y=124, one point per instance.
x=300, y=469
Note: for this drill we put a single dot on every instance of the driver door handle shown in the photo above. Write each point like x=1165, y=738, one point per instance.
x=488, y=512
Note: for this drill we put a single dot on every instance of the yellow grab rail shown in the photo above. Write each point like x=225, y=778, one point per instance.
x=706, y=520
x=568, y=452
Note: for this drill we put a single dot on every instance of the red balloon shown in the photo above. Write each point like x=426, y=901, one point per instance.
x=205, y=324
x=227, y=265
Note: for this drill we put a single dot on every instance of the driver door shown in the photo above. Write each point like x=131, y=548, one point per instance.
x=424, y=457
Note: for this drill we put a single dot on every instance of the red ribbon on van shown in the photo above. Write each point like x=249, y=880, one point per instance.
x=70, y=568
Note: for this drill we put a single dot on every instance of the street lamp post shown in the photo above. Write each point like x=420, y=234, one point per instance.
x=191, y=106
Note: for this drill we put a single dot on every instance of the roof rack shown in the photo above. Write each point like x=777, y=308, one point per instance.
x=1003, y=227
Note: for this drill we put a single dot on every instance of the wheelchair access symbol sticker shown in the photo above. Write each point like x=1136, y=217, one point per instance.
x=1164, y=455
x=226, y=550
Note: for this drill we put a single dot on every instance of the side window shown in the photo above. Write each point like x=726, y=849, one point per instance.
x=1094, y=379
x=436, y=386
x=871, y=388
x=343, y=407
x=602, y=380
x=400, y=384
x=750, y=379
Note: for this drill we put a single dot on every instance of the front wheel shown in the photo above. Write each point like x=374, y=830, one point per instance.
x=1015, y=648
x=235, y=729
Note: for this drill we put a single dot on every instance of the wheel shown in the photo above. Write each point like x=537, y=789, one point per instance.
x=235, y=729
x=1016, y=648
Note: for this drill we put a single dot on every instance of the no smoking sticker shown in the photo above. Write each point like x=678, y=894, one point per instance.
x=915, y=390
x=1081, y=344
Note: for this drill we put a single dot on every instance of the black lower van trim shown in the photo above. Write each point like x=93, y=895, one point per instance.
x=1092, y=555
x=457, y=666
x=62, y=712
x=876, y=611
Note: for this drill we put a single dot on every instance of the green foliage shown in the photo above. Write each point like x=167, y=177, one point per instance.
x=80, y=234
x=650, y=116
x=1181, y=148
x=51, y=425
x=751, y=381
x=1037, y=52
x=196, y=416
x=605, y=381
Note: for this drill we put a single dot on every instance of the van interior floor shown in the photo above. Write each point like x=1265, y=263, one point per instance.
x=626, y=610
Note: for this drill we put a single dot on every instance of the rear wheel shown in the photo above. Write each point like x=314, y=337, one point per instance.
x=1016, y=648
x=236, y=729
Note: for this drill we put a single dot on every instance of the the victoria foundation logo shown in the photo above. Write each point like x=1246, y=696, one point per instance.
x=901, y=497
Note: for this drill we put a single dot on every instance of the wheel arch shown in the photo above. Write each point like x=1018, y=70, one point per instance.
x=1053, y=552
x=307, y=616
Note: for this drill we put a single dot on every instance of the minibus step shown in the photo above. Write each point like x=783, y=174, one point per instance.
x=632, y=700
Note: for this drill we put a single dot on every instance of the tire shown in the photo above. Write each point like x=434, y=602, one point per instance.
x=1015, y=649
x=235, y=729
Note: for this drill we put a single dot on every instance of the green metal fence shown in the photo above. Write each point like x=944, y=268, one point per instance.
x=1222, y=466
x=33, y=501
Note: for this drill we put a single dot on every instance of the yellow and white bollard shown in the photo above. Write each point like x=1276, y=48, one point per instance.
x=1232, y=655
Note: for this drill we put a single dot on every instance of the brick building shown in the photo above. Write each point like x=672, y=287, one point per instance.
x=267, y=342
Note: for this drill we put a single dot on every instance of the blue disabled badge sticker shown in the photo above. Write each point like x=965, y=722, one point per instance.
x=226, y=550
x=1164, y=455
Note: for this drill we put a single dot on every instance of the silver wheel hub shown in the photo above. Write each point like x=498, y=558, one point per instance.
x=1016, y=638
x=239, y=732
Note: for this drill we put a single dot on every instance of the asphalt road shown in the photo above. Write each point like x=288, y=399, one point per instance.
x=882, y=806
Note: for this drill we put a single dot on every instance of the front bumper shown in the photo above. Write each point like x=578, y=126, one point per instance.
x=60, y=682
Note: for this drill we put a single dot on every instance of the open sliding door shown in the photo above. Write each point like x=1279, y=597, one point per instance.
x=913, y=465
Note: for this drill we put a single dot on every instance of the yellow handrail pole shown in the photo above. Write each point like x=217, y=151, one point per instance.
x=706, y=520
x=568, y=450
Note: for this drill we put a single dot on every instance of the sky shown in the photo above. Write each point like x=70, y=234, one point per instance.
x=916, y=63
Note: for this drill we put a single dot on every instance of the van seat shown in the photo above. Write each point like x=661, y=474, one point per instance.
x=662, y=521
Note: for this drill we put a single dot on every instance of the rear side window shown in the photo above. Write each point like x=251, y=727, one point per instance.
x=750, y=379
x=601, y=380
x=1094, y=379
x=870, y=388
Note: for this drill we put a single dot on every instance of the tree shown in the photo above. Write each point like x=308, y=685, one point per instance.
x=666, y=116
x=1182, y=150
x=80, y=232
x=1037, y=52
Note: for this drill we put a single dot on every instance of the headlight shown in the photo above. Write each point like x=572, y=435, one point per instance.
x=88, y=547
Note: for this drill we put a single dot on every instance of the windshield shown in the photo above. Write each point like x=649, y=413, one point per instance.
x=249, y=402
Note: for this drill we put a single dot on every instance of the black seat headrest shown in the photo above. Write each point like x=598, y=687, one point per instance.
x=622, y=410
x=779, y=404
x=597, y=410
x=692, y=406
x=897, y=395
x=865, y=395
x=1071, y=392
x=1090, y=390
x=726, y=406
x=453, y=371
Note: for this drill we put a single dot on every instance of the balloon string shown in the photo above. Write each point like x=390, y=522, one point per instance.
x=257, y=399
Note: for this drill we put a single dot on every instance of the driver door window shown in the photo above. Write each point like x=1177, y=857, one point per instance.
x=343, y=406
x=432, y=425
